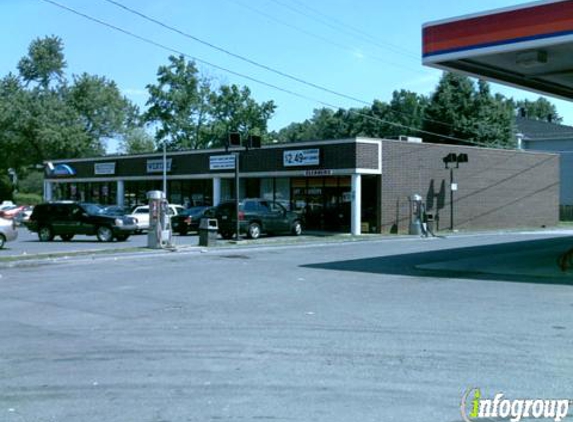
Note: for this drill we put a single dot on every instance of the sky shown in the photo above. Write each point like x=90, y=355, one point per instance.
x=360, y=49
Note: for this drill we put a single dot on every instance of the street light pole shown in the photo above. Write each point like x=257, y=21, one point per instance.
x=165, y=169
x=452, y=199
x=450, y=160
x=238, y=226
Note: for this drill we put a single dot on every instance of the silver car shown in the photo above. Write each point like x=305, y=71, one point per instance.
x=8, y=231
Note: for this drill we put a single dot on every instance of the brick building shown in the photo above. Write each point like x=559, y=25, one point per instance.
x=356, y=185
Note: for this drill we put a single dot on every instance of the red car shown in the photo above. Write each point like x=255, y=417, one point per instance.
x=11, y=212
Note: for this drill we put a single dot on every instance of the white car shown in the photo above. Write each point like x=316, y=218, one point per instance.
x=8, y=231
x=141, y=215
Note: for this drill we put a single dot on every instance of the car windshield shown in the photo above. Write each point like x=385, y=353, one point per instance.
x=93, y=209
x=194, y=211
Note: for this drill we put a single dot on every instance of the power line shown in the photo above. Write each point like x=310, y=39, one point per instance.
x=341, y=27
x=237, y=56
x=346, y=48
x=255, y=63
x=290, y=92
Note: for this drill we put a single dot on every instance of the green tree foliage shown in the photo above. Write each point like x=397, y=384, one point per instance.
x=179, y=105
x=402, y=116
x=234, y=110
x=137, y=141
x=451, y=109
x=44, y=62
x=43, y=116
x=459, y=112
x=103, y=112
x=189, y=113
x=540, y=109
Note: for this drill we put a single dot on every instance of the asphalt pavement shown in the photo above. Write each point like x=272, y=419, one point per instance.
x=354, y=331
x=28, y=244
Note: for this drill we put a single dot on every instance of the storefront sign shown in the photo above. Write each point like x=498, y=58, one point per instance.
x=301, y=157
x=156, y=166
x=63, y=170
x=222, y=162
x=104, y=168
x=316, y=173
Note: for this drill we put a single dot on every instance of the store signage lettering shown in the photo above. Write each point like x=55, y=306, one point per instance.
x=222, y=162
x=315, y=173
x=156, y=166
x=104, y=168
x=301, y=157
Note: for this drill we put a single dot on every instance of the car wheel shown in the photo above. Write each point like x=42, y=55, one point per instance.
x=104, y=234
x=227, y=235
x=122, y=237
x=45, y=234
x=2, y=241
x=67, y=237
x=296, y=228
x=254, y=231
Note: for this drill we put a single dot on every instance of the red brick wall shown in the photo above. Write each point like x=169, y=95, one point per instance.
x=496, y=188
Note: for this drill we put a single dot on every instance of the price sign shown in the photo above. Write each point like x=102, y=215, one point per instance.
x=301, y=157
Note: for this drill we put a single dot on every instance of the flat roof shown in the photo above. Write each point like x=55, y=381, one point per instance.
x=527, y=46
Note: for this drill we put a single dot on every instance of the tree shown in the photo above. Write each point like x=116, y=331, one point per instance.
x=234, y=110
x=103, y=112
x=42, y=116
x=540, y=109
x=450, y=110
x=137, y=141
x=179, y=105
x=188, y=112
x=493, y=120
x=44, y=62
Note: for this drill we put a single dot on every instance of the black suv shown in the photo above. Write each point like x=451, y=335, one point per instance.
x=256, y=216
x=66, y=219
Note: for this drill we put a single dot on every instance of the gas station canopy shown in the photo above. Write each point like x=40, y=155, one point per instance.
x=527, y=46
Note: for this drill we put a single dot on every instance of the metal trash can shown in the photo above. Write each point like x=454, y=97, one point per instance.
x=208, y=231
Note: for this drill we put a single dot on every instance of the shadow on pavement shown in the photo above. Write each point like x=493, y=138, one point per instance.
x=533, y=261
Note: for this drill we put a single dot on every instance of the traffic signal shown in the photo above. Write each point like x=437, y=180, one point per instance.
x=254, y=141
x=234, y=139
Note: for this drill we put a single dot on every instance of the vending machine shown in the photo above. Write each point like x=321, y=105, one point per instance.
x=159, y=235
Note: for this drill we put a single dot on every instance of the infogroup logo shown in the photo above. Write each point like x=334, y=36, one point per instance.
x=474, y=407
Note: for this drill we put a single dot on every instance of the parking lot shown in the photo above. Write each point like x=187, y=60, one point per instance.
x=28, y=244
x=389, y=330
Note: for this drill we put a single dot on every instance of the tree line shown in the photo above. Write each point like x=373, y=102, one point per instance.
x=46, y=115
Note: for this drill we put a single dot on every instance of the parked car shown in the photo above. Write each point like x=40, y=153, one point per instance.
x=8, y=231
x=188, y=220
x=11, y=211
x=67, y=219
x=6, y=204
x=24, y=215
x=141, y=215
x=116, y=210
x=256, y=216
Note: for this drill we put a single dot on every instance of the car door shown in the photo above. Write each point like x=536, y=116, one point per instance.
x=279, y=217
x=58, y=218
x=263, y=212
x=84, y=223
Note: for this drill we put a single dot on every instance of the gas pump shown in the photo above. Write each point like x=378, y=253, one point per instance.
x=159, y=233
x=416, y=215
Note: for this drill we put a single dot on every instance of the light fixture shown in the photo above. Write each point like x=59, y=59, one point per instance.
x=531, y=58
